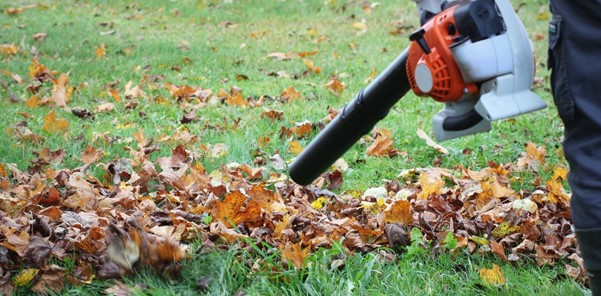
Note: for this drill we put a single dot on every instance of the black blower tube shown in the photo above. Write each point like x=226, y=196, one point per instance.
x=356, y=119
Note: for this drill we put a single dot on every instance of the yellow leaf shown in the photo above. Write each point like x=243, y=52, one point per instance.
x=32, y=102
x=312, y=67
x=429, y=186
x=53, y=124
x=25, y=277
x=560, y=173
x=295, y=148
x=556, y=191
x=319, y=203
x=492, y=276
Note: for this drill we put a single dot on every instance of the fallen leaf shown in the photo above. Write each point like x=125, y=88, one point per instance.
x=335, y=86
x=53, y=124
x=25, y=276
x=100, y=51
x=9, y=49
x=492, y=276
x=399, y=212
x=59, y=92
x=294, y=254
x=106, y=107
x=430, y=142
x=294, y=147
x=382, y=145
x=290, y=94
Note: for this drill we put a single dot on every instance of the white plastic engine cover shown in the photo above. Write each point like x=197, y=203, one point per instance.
x=485, y=59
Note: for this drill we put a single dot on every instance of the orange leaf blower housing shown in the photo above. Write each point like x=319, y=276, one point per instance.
x=431, y=67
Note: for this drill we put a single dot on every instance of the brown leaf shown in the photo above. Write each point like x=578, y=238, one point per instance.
x=382, y=145
x=534, y=157
x=40, y=36
x=37, y=251
x=498, y=249
x=272, y=114
x=91, y=155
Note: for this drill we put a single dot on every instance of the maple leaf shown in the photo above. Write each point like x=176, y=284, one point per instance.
x=91, y=154
x=382, y=145
x=53, y=124
x=134, y=92
x=335, y=86
x=399, y=212
x=533, y=158
x=290, y=94
x=429, y=186
x=237, y=208
x=294, y=254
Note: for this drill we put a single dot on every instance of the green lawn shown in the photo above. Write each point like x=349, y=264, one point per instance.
x=260, y=47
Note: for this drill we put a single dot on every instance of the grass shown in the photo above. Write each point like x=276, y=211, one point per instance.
x=210, y=44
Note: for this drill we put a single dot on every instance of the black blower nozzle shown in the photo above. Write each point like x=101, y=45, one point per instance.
x=355, y=119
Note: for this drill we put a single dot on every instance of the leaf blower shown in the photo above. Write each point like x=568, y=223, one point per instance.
x=473, y=55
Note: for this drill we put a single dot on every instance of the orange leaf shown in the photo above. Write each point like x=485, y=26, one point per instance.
x=15, y=77
x=290, y=94
x=100, y=51
x=235, y=209
x=335, y=86
x=263, y=141
x=312, y=68
x=8, y=49
x=113, y=92
x=294, y=254
x=382, y=145
x=53, y=124
x=533, y=158
x=399, y=212
x=237, y=100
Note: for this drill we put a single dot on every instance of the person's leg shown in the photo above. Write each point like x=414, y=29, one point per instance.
x=575, y=58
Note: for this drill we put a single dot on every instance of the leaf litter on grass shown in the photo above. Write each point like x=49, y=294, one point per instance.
x=145, y=215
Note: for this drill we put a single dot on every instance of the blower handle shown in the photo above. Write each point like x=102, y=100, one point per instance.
x=356, y=119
